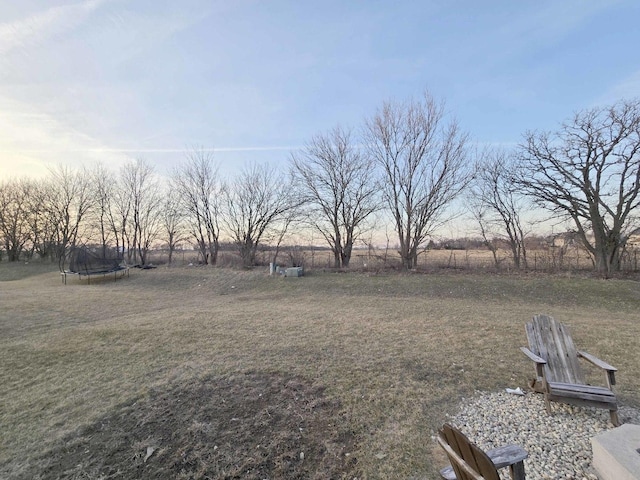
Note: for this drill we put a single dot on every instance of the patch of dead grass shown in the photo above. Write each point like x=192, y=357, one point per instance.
x=248, y=425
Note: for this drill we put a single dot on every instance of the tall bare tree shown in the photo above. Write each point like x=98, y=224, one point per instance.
x=338, y=185
x=103, y=184
x=142, y=186
x=68, y=203
x=197, y=184
x=119, y=217
x=425, y=165
x=15, y=231
x=497, y=206
x=589, y=173
x=42, y=225
x=254, y=203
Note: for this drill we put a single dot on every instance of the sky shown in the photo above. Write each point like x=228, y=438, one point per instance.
x=83, y=82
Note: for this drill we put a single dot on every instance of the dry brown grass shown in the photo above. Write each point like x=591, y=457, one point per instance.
x=539, y=260
x=395, y=353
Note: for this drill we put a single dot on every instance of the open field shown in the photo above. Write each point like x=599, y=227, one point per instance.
x=540, y=260
x=197, y=372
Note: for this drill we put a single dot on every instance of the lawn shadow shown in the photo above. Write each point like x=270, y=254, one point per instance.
x=247, y=425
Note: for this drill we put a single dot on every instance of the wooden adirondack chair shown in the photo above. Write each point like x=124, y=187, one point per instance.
x=469, y=462
x=558, y=372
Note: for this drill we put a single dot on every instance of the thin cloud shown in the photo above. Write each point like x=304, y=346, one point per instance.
x=205, y=149
x=34, y=30
x=149, y=150
x=33, y=139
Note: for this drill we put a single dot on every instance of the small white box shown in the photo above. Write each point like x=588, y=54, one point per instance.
x=293, y=272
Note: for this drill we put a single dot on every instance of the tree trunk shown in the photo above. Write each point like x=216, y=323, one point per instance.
x=607, y=258
x=213, y=251
x=346, y=255
x=515, y=254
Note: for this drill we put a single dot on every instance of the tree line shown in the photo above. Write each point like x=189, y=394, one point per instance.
x=404, y=167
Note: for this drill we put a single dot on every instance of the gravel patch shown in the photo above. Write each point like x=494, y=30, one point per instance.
x=559, y=444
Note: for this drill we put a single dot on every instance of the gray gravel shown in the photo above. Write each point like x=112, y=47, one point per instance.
x=559, y=444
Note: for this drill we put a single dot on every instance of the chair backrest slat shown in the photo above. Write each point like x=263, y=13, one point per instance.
x=552, y=341
x=469, y=462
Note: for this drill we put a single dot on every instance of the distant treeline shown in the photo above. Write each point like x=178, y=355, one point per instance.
x=401, y=173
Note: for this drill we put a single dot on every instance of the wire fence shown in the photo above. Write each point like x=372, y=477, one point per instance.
x=540, y=260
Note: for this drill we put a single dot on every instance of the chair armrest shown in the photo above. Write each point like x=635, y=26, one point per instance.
x=610, y=371
x=533, y=356
x=597, y=362
x=507, y=455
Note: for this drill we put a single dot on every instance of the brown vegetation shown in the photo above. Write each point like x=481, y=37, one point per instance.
x=356, y=371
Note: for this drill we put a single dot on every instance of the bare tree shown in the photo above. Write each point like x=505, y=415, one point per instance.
x=482, y=214
x=103, y=184
x=200, y=190
x=172, y=222
x=139, y=181
x=254, y=204
x=42, y=225
x=589, y=173
x=497, y=206
x=338, y=185
x=424, y=165
x=119, y=217
x=282, y=227
x=68, y=203
x=15, y=231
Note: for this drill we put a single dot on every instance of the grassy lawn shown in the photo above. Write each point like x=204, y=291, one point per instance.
x=362, y=367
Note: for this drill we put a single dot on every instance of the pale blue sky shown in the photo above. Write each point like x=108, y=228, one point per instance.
x=107, y=80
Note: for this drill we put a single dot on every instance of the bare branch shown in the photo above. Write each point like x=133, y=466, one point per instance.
x=254, y=204
x=589, y=172
x=338, y=187
x=425, y=165
x=200, y=190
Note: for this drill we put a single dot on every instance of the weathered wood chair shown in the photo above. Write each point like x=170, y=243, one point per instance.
x=469, y=462
x=558, y=372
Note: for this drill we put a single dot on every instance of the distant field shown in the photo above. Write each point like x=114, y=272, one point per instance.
x=548, y=260
x=189, y=372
